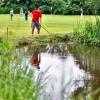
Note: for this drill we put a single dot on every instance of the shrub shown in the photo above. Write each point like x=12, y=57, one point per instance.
x=98, y=11
x=46, y=9
x=4, y=10
x=75, y=9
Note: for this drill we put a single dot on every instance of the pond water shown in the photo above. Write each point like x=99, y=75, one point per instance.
x=65, y=70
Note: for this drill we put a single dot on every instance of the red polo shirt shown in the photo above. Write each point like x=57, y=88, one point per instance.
x=36, y=14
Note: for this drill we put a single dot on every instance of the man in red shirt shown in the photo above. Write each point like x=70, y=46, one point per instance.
x=36, y=20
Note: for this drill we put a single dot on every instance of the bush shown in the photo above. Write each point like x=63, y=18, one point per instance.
x=46, y=9
x=98, y=11
x=4, y=10
x=58, y=11
x=75, y=9
x=67, y=10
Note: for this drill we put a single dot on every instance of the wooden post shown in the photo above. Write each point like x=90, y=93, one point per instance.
x=7, y=32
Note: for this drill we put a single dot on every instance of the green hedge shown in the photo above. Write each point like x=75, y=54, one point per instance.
x=62, y=9
x=46, y=9
x=6, y=10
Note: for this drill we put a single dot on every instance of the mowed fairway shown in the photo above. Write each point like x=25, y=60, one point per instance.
x=57, y=24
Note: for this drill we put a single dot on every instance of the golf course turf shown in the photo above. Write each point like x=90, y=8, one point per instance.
x=57, y=24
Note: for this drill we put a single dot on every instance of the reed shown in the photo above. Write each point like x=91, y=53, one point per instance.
x=15, y=82
x=89, y=33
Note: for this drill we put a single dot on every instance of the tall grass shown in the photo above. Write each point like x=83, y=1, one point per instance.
x=89, y=33
x=15, y=82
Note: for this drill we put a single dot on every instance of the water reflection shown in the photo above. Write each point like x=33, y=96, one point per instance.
x=64, y=73
x=60, y=71
x=89, y=60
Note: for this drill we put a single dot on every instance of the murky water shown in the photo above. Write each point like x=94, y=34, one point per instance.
x=88, y=60
x=66, y=70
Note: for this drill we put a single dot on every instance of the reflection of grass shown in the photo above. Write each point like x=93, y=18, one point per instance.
x=95, y=95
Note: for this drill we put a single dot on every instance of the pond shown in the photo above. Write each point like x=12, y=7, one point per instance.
x=66, y=70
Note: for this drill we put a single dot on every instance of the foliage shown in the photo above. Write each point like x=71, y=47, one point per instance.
x=45, y=9
x=90, y=33
x=4, y=10
x=15, y=82
x=58, y=6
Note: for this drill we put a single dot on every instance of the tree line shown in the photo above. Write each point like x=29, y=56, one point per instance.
x=63, y=7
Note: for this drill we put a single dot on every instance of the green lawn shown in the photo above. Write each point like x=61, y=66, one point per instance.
x=18, y=27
